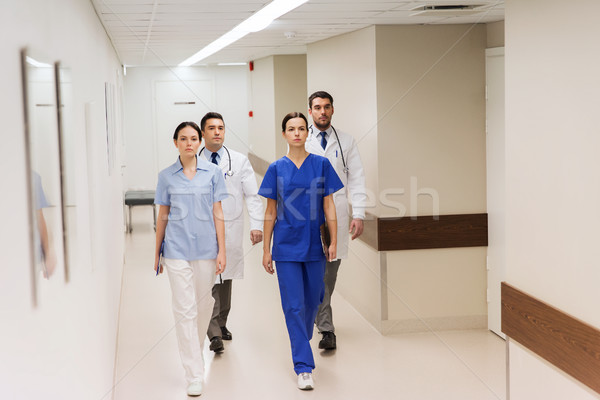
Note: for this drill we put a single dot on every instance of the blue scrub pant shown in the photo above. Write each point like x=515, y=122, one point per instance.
x=301, y=287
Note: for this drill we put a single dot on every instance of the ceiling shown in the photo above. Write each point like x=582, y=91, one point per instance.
x=165, y=32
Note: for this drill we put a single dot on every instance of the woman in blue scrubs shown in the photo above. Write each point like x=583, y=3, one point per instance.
x=299, y=190
x=190, y=222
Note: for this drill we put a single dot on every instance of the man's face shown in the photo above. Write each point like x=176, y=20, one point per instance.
x=321, y=112
x=214, y=134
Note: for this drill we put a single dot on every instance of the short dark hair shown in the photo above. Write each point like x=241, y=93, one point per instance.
x=183, y=125
x=320, y=94
x=210, y=115
x=293, y=115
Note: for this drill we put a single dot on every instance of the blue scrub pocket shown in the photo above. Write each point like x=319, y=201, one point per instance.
x=203, y=204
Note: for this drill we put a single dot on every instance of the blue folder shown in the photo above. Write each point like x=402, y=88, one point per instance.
x=160, y=254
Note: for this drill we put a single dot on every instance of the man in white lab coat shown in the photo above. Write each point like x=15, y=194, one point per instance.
x=342, y=151
x=241, y=185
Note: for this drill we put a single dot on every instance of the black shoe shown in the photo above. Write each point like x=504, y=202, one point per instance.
x=225, y=334
x=328, y=341
x=216, y=345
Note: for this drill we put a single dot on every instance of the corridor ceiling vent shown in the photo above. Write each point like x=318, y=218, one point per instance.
x=448, y=10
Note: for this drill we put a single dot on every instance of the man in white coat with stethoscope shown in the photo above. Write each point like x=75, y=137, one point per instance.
x=342, y=151
x=241, y=185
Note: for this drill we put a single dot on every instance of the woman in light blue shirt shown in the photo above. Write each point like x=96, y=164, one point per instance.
x=299, y=190
x=190, y=223
x=45, y=254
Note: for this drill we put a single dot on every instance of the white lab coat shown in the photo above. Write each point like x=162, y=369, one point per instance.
x=240, y=186
x=354, y=180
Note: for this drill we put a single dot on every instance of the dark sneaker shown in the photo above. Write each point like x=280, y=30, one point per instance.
x=216, y=344
x=328, y=341
x=225, y=334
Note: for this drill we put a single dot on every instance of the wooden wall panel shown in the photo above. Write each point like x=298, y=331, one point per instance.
x=425, y=232
x=566, y=342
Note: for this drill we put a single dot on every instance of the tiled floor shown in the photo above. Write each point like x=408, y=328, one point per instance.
x=461, y=365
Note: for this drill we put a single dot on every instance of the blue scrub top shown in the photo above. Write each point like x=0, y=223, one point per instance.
x=190, y=233
x=299, y=193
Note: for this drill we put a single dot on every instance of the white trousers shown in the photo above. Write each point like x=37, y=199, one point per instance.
x=191, y=287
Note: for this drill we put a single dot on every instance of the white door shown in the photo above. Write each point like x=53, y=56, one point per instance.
x=496, y=258
x=176, y=102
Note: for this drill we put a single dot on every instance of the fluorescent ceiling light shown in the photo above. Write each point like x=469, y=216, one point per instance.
x=37, y=63
x=257, y=22
x=231, y=64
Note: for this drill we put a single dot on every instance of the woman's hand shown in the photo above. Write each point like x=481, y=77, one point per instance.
x=49, y=263
x=161, y=226
x=332, y=252
x=221, y=261
x=268, y=262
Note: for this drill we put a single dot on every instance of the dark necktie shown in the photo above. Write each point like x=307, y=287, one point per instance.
x=323, y=140
x=213, y=158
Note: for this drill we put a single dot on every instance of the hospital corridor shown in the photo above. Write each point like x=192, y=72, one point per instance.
x=426, y=171
x=256, y=363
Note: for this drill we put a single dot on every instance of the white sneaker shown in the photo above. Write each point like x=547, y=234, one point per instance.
x=194, y=388
x=305, y=381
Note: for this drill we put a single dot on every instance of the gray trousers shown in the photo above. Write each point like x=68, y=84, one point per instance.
x=324, y=320
x=222, y=294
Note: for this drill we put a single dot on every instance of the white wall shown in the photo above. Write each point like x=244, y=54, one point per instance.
x=290, y=92
x=331, y=65
x=445, y=288
x=334, y=63
x=65, y=348
x=431, y=146
x=263, y=125
x=278, y=86
x=431, y=116
x=416, y=107
x=229, y=98
x=496, y=184
x=495, y=34
x=552, y=169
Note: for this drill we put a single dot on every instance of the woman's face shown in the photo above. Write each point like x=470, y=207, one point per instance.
x=187, y=142
x=295, y=132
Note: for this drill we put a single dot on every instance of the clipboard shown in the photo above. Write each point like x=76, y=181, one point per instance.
x=160, y=256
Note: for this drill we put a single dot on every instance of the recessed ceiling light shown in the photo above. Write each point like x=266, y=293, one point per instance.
x=256, y=22
x=231, y=64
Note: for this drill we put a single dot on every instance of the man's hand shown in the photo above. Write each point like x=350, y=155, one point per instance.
x=356, y=228
x=256, y=236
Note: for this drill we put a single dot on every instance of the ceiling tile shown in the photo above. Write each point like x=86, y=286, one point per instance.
x=164, y=32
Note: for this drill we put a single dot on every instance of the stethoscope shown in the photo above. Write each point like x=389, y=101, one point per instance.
x=341, y=151
x=229, y=172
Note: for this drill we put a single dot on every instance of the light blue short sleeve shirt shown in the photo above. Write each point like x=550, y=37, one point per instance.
x=38, y=192
x=190, y=234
